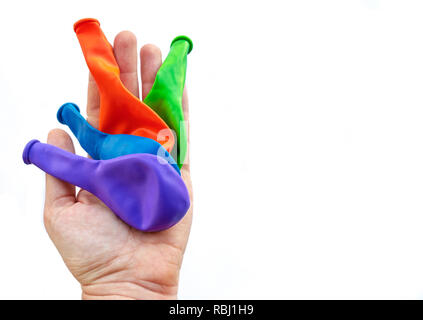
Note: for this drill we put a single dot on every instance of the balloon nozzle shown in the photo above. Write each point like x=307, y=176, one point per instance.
x=25, y=154
x=191, y=45
x=66, y=105
x=82, y=21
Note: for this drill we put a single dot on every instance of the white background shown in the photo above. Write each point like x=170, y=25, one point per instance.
x=307, y=135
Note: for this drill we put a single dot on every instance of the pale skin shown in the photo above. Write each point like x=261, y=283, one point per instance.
x=110, y=259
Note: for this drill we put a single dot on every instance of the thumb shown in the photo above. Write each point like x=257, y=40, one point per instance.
x=59, y=194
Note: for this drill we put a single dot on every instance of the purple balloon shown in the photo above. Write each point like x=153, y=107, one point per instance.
x=141, y=189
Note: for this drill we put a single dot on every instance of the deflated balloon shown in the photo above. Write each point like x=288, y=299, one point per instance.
x=120, y=111
x=145, y=193
x=104, y=146
x=165, y=96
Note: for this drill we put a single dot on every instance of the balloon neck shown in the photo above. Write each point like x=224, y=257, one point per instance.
x=89, y=137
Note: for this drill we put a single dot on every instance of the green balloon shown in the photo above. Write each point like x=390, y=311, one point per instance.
x=165, y=97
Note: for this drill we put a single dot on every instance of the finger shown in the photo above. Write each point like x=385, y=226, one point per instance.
x=151, y=60
x=185, y=108
x=59, y=193
x=93, y=103
x=125, y=50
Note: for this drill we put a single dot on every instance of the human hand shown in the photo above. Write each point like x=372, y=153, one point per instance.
x=110, y=259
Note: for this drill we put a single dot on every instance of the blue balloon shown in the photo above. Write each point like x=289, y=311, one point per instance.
x=104, y=146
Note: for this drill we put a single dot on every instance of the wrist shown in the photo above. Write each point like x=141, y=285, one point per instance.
x=128, y=291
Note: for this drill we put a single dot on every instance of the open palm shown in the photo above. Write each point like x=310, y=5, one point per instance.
x=110, y=259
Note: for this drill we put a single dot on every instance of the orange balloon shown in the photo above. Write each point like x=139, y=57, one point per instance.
x=120, y=111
